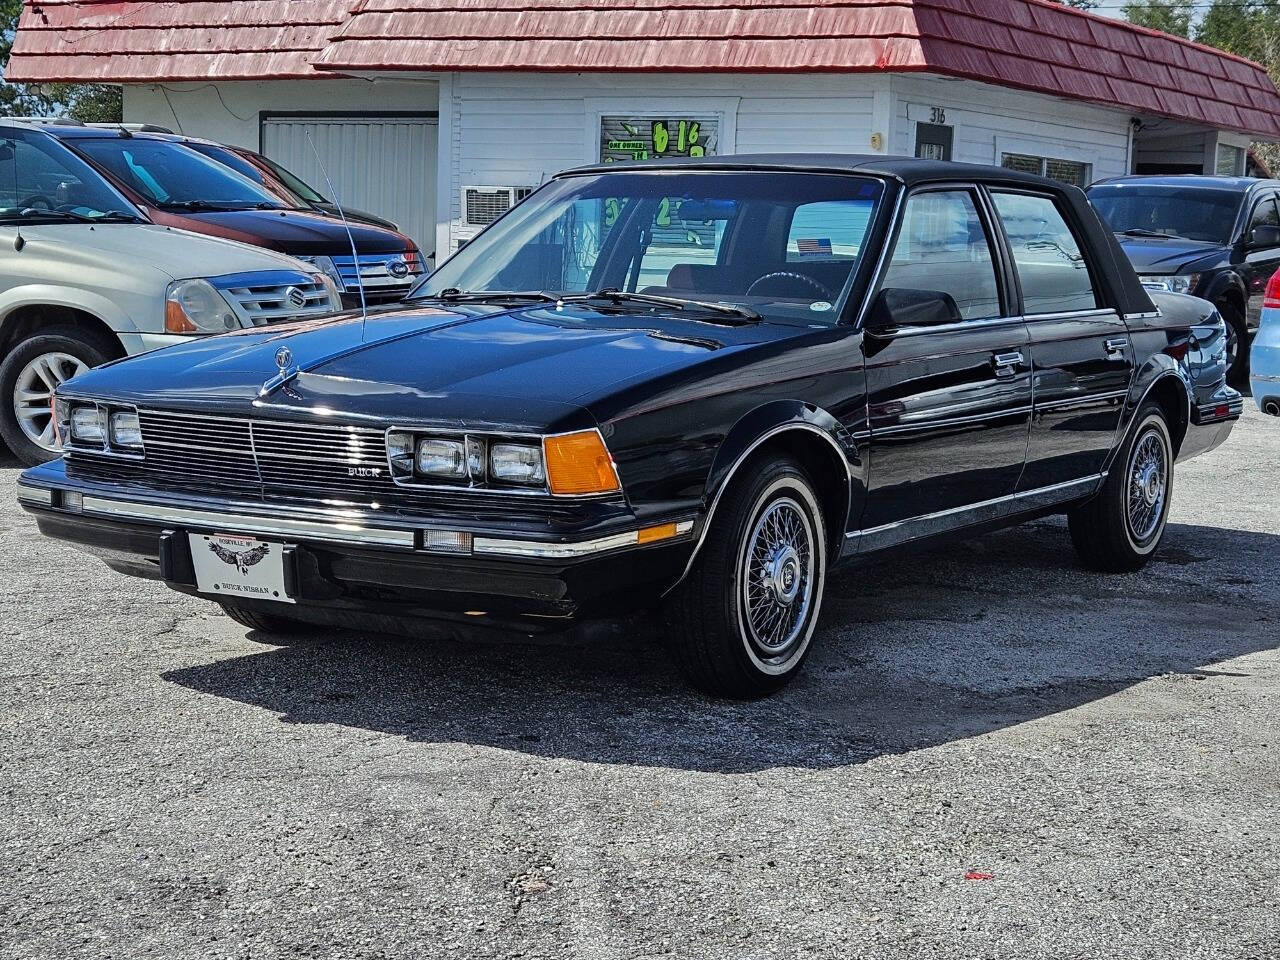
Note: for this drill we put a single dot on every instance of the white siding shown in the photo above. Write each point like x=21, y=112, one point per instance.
x=519, y=129
x=990, y=120
x=228, y=112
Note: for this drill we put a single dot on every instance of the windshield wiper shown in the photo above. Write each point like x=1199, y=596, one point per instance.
x=1154, y=234
x=454, y=295
x=108, y=216
x=201, y=205
x=742, y=315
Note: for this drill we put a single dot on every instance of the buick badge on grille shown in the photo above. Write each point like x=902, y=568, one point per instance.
x=369, y=472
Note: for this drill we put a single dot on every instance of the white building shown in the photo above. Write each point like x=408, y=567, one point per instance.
x=438, y=114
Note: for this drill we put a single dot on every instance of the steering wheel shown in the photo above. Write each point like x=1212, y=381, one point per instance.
x=794, y=278
x=36, y=200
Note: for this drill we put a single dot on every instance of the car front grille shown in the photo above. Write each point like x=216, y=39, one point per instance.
x=380, y=284
x=270, y=301
x=272, y=454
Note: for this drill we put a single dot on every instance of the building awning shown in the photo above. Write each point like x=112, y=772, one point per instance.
x=1028, y=44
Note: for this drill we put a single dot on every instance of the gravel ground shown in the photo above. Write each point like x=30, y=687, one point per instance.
x=992, y=754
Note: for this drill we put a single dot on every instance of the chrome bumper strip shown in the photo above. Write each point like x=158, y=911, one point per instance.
x=36, y=495
x=336, y=531
x=348, y=530
x=564, y=551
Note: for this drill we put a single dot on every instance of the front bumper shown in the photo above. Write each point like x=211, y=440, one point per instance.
x=342, y=565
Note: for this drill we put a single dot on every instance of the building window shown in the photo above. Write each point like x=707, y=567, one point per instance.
x=1067, y=171
x=653, y=138
x=1230, y=161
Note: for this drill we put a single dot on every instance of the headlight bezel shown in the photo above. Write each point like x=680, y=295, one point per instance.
x=178, y=311
x=1183, y=283
x=482, y=473
x=104, y=412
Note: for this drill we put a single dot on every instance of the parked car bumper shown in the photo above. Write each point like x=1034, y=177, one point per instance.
x=345, y=569
x=1213, y=417
x=1264, y=366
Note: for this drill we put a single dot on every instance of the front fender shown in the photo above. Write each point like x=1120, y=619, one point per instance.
x=1224, y=283
x=49, y=295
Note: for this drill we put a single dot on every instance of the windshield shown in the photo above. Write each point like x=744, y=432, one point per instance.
x=285, y=182
x=41, y=180
x=173, y=176
x=1193, y=213
x=782, y=244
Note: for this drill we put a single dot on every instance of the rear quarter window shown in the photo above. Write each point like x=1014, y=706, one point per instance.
x=1050, y=260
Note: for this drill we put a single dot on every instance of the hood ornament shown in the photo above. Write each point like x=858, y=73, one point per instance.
x=286, y=371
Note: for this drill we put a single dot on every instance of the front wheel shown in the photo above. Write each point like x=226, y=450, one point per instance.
x=1237, y=345
x=1120, y=528
x=741, y=622
x=265, y=622
x=30, y=373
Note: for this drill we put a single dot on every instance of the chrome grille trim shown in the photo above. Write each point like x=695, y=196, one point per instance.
x=262, y=298
x=373, y=273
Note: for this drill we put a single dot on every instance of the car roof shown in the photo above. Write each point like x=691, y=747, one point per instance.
x=908, y=170
x=1199, y=181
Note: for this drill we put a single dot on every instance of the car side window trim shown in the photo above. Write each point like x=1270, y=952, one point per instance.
x=1008, y=313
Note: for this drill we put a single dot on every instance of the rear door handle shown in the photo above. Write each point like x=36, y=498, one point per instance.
x=1117, y=345
x=1007, y=364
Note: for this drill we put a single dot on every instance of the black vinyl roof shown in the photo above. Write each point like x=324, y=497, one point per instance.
x=907, y=170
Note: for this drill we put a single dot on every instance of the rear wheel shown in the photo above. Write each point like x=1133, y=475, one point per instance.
x=266, y=622
x=1120, y=528
x=28, y=376
x=741, y=622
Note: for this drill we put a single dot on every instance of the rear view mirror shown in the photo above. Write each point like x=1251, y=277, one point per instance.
x=1261, y=238
x=897, y=307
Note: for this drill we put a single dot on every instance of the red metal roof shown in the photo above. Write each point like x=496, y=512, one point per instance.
x=1029, y=44
x=145, y=42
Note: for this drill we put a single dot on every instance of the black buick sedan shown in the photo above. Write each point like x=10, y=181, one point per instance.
x=687, y=388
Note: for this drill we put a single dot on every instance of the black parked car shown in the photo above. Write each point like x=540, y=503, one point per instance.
x=1213, y=237
x=696, y=385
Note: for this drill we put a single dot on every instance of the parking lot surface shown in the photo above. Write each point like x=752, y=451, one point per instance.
x=992, y=753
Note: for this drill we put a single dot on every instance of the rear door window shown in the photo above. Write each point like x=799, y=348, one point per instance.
x=1051, y=265
x=943, y=246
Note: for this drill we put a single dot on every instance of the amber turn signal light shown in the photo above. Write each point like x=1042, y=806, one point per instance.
x=175, y=320
x=579, y=463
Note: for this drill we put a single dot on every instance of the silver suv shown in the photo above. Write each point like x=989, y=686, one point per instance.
x=85, y=278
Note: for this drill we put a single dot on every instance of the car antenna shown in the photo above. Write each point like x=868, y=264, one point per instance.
x=355, y=257
x=18, y=241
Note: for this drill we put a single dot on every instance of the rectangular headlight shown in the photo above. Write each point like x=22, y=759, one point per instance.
x=517, y=463
x=1170, y=283
x=126, y=431
x=87, y=425
x=438, y=457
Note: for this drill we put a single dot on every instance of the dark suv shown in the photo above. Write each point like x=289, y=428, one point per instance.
x=1212, y=237
x=177, y=187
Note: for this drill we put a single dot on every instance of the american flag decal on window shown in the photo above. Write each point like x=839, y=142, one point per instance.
x=814, y=248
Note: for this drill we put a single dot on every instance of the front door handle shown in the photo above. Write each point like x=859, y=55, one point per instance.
x=1007, y=364
x=1116, y=346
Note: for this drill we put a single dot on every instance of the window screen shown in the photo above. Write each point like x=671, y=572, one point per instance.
x=943, y=247
x=1051, y=265
x=1065, y=171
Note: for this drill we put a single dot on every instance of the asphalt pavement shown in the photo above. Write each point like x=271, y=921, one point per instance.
x=992, y=753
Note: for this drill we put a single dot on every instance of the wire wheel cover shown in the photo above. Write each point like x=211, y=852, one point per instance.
x=778, y=578
x=1148, y=486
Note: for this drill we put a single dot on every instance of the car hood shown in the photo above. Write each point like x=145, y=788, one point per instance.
x=533, y=367
x=302, y=232
x=1170, y=256
x=178, y=253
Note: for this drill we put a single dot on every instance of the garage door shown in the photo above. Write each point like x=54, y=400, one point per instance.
x=384, y=165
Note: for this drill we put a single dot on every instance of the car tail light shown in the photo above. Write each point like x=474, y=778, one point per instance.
x=1271, y=299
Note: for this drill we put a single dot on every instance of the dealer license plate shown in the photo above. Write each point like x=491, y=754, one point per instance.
x=239, y=566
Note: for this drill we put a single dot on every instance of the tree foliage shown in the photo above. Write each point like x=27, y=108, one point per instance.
x=89, y=102
x=1171, y=16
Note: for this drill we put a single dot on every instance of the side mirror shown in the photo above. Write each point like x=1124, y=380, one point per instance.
x=896, y=307
x=1262, y=238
